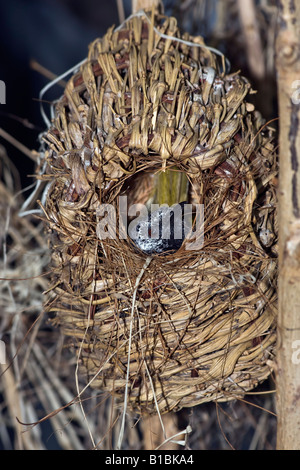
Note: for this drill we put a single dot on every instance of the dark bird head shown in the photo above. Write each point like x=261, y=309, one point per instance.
x=161, y=230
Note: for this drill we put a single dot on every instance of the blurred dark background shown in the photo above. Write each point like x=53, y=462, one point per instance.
x=55, y=34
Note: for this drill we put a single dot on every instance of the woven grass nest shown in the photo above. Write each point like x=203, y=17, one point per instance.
x=172, y=329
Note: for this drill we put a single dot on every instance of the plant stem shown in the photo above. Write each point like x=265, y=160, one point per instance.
x=288, y=366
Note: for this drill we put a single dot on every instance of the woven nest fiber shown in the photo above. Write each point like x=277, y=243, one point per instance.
x=172, y=329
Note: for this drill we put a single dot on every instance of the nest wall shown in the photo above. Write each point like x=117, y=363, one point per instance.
x=175, y=329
